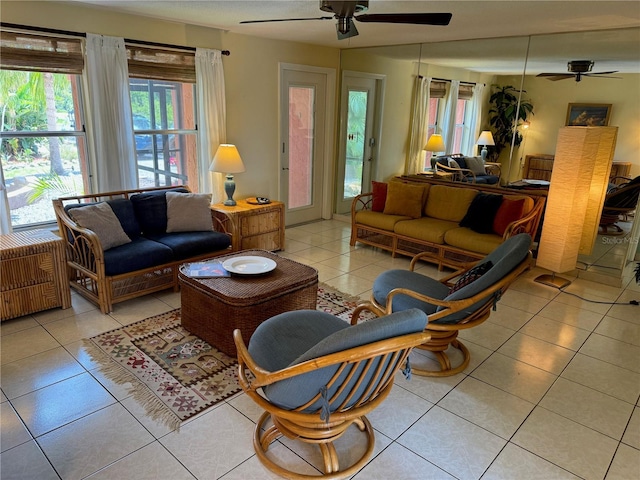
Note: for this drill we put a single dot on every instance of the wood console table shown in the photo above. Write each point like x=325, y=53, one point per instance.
x=33, y=275
x=251, y=226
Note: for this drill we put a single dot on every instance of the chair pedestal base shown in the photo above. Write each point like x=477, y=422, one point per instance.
x=439, y=342
x=312, y=433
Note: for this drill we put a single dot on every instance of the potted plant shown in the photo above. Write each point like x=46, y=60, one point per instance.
x=503, y=115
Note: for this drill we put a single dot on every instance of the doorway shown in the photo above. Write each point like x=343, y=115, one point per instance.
x=306, y=114
x=361, y=122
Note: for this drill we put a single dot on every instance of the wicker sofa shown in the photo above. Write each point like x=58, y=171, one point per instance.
x=154, y=245
x=456, y=223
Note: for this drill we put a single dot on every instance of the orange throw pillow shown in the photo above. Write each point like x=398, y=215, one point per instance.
x=509, y=211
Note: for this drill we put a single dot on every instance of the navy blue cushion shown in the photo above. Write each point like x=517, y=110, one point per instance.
x=151, y=210
x=460, y=161
x=123, y=209
x=296, y=391
x=387, y=281
x=190, y=244
x=486, y=179
x=482, y=212
x=140, y=253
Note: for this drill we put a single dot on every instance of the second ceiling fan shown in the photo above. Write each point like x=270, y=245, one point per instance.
x=577, y=69
x=345, y=12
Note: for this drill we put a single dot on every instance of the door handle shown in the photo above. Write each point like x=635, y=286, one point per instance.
x=285, y=168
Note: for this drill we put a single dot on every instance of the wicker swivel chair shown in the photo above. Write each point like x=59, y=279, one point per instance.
x=315, y=375
x=450, y=309
x=621, y=199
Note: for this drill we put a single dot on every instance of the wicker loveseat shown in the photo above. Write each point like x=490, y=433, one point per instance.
x=456, y=223
x=154, y=244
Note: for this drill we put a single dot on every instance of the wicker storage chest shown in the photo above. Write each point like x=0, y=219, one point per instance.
x=213, y=307
x=32, y=273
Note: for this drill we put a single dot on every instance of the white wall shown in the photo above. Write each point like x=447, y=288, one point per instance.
x=251, y=74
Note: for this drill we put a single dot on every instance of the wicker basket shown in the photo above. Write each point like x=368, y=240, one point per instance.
x=213, y=307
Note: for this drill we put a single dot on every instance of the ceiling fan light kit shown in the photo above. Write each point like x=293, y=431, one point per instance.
x=344, y=12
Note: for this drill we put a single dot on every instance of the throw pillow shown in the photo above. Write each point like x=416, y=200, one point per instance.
x=476, y=165
x=471, y=275
x=188, y=212
x=100, y=219
x=482, y=212
x=379, y=196
x=404, y=199
x=510, y=210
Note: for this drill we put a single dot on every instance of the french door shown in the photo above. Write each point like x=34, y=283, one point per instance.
x=359, y=131
x=304, y=153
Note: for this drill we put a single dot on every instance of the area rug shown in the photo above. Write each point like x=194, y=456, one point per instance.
x=174, y=374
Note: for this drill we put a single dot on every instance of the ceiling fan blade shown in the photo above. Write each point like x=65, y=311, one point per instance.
x=598, y=75
x=602, y=73
x=554, y=77
x=413, y=18
x=286, y=20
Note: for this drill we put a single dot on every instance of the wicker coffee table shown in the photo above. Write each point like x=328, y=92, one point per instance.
x=213, y=307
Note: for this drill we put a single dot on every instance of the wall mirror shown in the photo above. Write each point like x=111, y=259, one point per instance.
x=514, y=61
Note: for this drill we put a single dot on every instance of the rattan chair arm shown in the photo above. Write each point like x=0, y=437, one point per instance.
x=356, y=354
x=364, y=201
x=459, y=173
x=451, y=307
x=491, y=166
x=527, y=224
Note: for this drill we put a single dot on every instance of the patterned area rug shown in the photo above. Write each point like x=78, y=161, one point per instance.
x=174, y=374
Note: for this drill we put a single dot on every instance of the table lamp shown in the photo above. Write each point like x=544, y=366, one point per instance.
x=227, y=160
x=434, y=144
x=485, y=139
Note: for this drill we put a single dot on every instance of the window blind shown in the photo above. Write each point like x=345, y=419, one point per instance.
x=437, y=89
x=465, y=92
x=161, y=64
x=42, y=53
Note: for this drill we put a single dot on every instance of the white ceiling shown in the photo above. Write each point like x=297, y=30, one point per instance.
x=471, y=20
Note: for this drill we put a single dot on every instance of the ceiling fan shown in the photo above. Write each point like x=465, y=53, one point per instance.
x=577, y=69
x=345, y=12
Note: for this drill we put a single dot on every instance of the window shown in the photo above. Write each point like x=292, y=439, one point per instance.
x=164, y=131
x=162, y=91
x=42, y=152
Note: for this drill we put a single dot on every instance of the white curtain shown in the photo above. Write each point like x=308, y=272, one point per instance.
x=212, y=114
x=5, y=212
x=449, y=120
x=474, y=115
x=419, y=126
x=109, y=112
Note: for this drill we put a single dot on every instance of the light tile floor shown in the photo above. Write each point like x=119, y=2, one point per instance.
x=552, y=392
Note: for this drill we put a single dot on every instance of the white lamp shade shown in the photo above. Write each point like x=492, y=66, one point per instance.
x=485, y=138
x=435, y=143
x=227, y=160
x=578, y=186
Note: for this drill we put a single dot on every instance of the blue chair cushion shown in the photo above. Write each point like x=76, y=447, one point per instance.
x=151, y=210
x=190, y=244
x=507, y=256
x=387, y=281
x=304, y=329
x=140, y=253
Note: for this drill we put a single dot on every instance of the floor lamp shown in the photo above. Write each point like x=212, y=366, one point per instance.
x=578, y=186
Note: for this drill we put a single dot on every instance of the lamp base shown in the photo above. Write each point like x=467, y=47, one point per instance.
x=229, y=188
x=553, y=281
x=483, y=153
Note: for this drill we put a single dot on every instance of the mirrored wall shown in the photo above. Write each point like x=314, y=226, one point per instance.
x=518, y=61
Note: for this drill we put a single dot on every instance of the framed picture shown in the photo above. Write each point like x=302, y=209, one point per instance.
x=588, y=114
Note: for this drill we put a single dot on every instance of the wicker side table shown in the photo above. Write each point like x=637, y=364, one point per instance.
x=33, y=273
x=213, y=307
x=251, y=226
